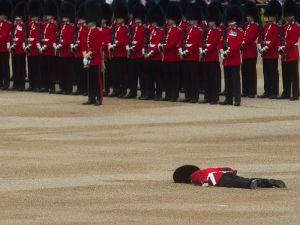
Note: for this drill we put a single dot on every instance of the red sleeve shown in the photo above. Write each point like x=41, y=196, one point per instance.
x=95, y=43
x=196, y=42
x=123, y=38
x=20, y=37
x=173, y=39
x=155, y=49
x=251, y=36
x=236, y=45
x=4, y=34
x=274, y=37
x=35, y=36
x=106, y=38
x=215, y=41
x=292, y=39
x=52, y=35
x=139, y=39
x=68, y=37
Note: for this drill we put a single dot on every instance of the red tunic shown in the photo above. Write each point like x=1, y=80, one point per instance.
x=210, y=175
x=94, y=40
x=121, y=40
x=291, y=34
x=81, y=44
x=272, y=41
x=193, y=43
x=249, y=41
x=19, y=39
x=155, y=38
x=213, y=37
x=66, y=39
x=34, y=38
x=106, y=38
x=138, y=41
x=50, y=37
x=5, y=27
x=170, y=48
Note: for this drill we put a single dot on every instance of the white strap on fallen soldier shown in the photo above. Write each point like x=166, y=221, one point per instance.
x=212, y=179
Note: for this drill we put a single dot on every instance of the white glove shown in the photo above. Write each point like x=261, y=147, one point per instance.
x=223, y=56
x=86, y=61
x=8, y=45
x=264, y=49
x=110, y=46
x=281, y=48
x=205, y=184
x=54, y=46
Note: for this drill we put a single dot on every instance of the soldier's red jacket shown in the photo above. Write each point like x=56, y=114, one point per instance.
x=155, y=38
x=5, y=27
x=66, y=39
x=138, y=40
x=249, y=41
x=19, y=38
x=272, y=41
x=50, y=36
x=291, y=34
x=193, y=43
x=81, y=44
x=234, y=37
x=213, y=37
x=121, y=40
x=94, y=40
x=170, y=48
x=209, y=175
x=33, y=38
x=183, y=25
x=106, y=38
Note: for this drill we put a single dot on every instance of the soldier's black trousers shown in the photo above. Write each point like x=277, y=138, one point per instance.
x=94, y=84
x=249, y=76
x=219, y=77
x=171, y=79
x=154, y=79
x=108, y=76
x=19, y=70
x=119, y=71
x=80, y=75
x=191, y=79
x=4, y=69
x=48, y=71
x=271, y=77
x=290, y=78
x=212, y=86
x=232, y=83
x=34, y=74
x=135, y=74
x=66, y=73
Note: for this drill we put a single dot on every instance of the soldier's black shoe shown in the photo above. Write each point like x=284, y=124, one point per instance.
x=29, y=89
x=105, y=94
x=4, y=88
x=129, y=96
x=185, y=100
x=204, y=101
x=225, y=103
x=89, y=102
x=283, y=97
x=294, y=98
x=223, y=93
x=97, y=103
x=51, y=91
x=121, y=96
x=276, y=183
x=273, y=96
x=157, y=98
x=255, y=183
x=166, y=99
x=244, y=95
x=36, y=90
x=193, y=101
x=113, y=94
x=264, y=95
x=67, y=92
x=43, y=90
x=173, y=100
x=251, y=96
x=77, y=93
x=20, y=89
x=60, y=92
x=213, y=102
x=85, y=94
x=237, y=104
x=12, y=88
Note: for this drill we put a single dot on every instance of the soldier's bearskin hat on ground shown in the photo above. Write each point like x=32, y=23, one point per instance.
x=35, y=8
x=121, y=11
x=273, y=9
x=174, y=12
x=183, y=173
x=5, y=8
x=139, y=12
x=106, y=12
x=68, y=10
x=131, y=4
x=194, y=12
x=251, y=10
x=164, y=5
x=290, y=8
x=213, y=13
x=92, y=11
x=50, y=8
x=156, y=14
x=183, y=5
x=21, y=10
x=234, y=13
x=203, y=5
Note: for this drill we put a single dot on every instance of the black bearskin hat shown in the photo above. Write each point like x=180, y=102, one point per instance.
x=21, y=10
x=164, y=5
x=213, y=13
x=131, y=4
x=234, y=2
x=80, y=11
x=251, y=10
x=106, y=12
x=5, y=8
x=92, y=11
x=121, y=11
x=183, y=5
x=149, y=4
x=15, y=2
x=50, y=8
x=68, y=10
x=35, y=8
x=194, y=12
x=183, y=173
x=174, y=12
x=79, y=3
x=290, y=8
x=234, y=13
x=203, y=5
x=273, y=9
x=139, y=12
x=156, y=14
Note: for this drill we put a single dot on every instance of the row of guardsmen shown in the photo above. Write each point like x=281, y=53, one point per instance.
x=161, y=47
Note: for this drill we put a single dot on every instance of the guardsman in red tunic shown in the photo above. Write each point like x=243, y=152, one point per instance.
x=232, y=58
x=249, y=50
x=210, y=54
x=117, y=48
x=269, y=50
x=106, y=12
x=92, y=57
x=77, y=48
x=154, y=36
x=5, y=28
x=290, y=52
x=170, y=52
x=189, y=52
x=33, y=54
x=134, y=49
x=64, y=48
x=48, y=61
x=17, y=50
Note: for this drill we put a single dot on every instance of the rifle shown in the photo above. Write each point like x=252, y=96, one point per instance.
x=204, y=43
x=282, y=41
x=26, y=30
x=225, y=46
x=112, y=41
x=41, y=31
x=12, y=31
x=163, y=41
x=130, y=35
x=58, y=29
x=147, y=40
x=75, y=27
x=261, y=30
x=183, y=46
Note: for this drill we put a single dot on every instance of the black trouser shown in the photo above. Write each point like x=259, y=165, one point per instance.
x=94, y=84
x=135, y=69
x=232, y=83
x=219, y=77
x=34, y=73
x=66, y=73
x=271, y=77
x=171, y=79
x=108, y=76
x=19, y=70
x=80, y=75
x=154, y=78
x=212, y=86
x=202, y=76
x=4, y=69
x=191, y=79
x=290, y=78
x=249, y=76
x=48, y=71
x=119, y=71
